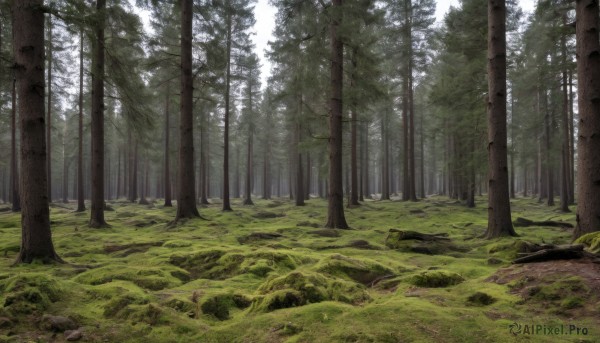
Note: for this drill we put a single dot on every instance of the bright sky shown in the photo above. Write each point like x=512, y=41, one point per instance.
x=265, y=23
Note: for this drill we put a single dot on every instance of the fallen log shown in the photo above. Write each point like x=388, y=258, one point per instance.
x=408, y=235
x=524, y=222
x=564, y=252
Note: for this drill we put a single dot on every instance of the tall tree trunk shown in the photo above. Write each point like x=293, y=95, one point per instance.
x=299, y=172
x=226, y=202
x=49, y=111
x=133, y=193
x=499, y=221
x=571, y=140
x=405, y=145
x=565, y=159
x=335, y=210
x=28, y=43
x=422, y=157
x=588, y=148
x=80, y=197
x=385, y=161
x=548, y=149
x=167, y=160
x=411, y=137
x=354, y=141
x=249, y=165
x=267, y=163
x=97, y=124
x=144, y=183
x=308, y=177
x=119, y=172
x=15, y=197
x=186, y=200
x=204, y=158
x=366, y=168
x=65, y=187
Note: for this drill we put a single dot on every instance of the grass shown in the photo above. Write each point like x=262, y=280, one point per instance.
x=271, y=273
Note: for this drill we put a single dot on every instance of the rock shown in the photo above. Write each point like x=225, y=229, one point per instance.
x=6, y=323
x=57, y=323
x=73, y=335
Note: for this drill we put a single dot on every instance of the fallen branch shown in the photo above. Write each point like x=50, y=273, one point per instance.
x=565, y=252
x=524, y=222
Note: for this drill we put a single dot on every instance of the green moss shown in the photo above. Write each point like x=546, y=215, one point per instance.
x=481, y=299
x=364, y=271
x=572, y=302
x=436, y=278
x=148, y=278
x=219, y=305
x=118, y=307
x=29, y=293
x=592, y=240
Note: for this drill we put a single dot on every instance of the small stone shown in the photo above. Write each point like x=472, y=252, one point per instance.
x=57, y=323
x=73, y=335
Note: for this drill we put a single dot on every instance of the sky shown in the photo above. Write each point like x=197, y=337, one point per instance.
x=265, y=23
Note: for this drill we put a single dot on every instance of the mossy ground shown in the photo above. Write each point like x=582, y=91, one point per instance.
x=213, y=280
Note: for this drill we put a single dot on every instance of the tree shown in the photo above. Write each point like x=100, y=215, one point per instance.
x=167, y=170
x=186, y=200
x=588, y=145
x=97, y=123
x=251, y=64
x=28, y=44
x=499, y=221
x=335, y=209
x=80, y=198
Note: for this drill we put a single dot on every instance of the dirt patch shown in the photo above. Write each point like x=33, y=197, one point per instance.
x=565, y=287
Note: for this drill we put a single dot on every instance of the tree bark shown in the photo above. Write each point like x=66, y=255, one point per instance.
x=97, y=123
x=186, y=200
x=15, y=197
x=167, y=160
x=405, y=146
x=499, y=221
x=204, y=161
x=226, y=201
x=588, y=146
x=565, y=159
x=335, y=210
x=385, y=162
x=49, y=111
x=354, y=140
x=80, y=197
x=28, y=44
x=249, y=165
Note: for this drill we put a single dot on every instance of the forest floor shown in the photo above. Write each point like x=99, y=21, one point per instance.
x=271, y=273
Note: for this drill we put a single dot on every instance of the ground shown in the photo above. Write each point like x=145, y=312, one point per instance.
x=272, y=273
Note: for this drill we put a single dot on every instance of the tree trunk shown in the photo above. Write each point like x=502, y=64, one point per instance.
x=308, y=177
x=97, y=123
x=186, y=200
x=49, y=111
x=411, y=137
x=354, y=141
x=499, y=221
x=335, y=210
x=588, y=148
x=15, y=197
x=547, y=150
x=65, y=187
x=167, y=160
x=422, y=158
x=385, y=165
x=571, y=140
x=405, y=167
x=28, y=44
x=565, y=159
x=249, y=165
x=226, y=202
x=267, y=163
x=204, y=158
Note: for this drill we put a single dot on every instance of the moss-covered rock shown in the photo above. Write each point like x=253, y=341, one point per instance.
x=592, y=241
x=436, y=279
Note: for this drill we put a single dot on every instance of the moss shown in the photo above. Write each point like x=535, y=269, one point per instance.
x=149, y=278
x=29, y=293
x=363, y=271
x=592, y=240
x=119, y=306
x=481, y=299
x=572, y=302
x=436, y=278
x=219, y=305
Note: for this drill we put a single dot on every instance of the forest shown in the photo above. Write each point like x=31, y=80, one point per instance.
x=383, y=171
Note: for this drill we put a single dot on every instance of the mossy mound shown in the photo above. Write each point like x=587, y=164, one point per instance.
x=480, y=299
x=362, y=271
x=219, y=305
x=563, y=294
x=120, y=306
x=217, y=264
x=436, y=279
x=297, y=289
x=29, y=293
x=149, y=278
x=396, y=240
x=591, y=240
